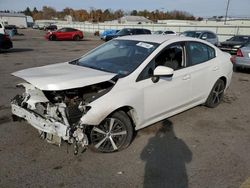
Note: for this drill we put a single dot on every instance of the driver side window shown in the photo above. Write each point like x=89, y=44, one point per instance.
x=171, y=56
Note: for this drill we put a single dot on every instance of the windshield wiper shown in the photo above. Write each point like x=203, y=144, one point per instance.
x=74, y=62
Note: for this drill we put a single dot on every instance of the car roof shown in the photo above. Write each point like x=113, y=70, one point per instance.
x=241, y=36
x=199, y=31
x=135, y=28
x=151, y=38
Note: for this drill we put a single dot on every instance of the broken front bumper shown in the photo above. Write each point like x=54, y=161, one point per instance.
x=47, y=125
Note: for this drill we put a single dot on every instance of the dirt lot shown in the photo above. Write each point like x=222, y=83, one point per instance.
x=198, y=148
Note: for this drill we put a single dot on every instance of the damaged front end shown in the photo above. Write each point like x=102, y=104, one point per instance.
x=56, y=114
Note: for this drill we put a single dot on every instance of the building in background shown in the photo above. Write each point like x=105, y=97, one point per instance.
x=134, y=20
x=30, y=21
x=20, y=20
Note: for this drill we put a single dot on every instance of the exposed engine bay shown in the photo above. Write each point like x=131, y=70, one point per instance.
x=57, y=114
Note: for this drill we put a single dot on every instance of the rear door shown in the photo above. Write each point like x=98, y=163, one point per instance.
x=71, y=33
x=203, y=69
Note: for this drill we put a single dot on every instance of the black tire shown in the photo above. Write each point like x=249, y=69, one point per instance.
x=115, y=133
x=76, y=37
x=52, y=37
x=216, y=95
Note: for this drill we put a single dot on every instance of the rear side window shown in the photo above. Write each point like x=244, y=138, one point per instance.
x=139, y=31
x=147, y=31
x=210, y=36
x=70, y=30
x=169, y=32
x=0, y=25
x=199, y=53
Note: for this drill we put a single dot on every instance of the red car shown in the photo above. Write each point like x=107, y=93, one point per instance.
x=65, y=34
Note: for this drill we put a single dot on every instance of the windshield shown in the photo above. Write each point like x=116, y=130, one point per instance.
x=124, y=32
x=117, y=56
x=193, y=34
x=158, y=32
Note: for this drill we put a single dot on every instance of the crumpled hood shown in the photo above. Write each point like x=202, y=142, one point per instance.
x=62, y=76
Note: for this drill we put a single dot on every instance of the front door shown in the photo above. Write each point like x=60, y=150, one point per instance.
x=168, y=95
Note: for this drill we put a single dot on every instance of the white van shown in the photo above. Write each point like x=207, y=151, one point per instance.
x=2, y=30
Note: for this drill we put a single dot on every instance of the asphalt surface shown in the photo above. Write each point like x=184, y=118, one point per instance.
x=201, y=147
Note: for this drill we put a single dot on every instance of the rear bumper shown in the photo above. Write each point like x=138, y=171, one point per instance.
x=43, y=124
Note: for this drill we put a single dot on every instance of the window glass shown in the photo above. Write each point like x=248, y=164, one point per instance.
x=172, y=57
x=124, y=32
x=204, y=35
x=158, y=32
x=194, y=34
x=139, y=31
x=240, y=38
x=118, y=56
x=169, y=32
x=210, y=36
x=199, y=53
x=70, y=30
x=62, y=30
x=0, y=25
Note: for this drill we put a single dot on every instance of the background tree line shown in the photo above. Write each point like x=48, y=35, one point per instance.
x=99, y=15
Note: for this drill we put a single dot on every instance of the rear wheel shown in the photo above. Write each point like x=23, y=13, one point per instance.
x=216, y=95
x=76, y=37
x=113, y=134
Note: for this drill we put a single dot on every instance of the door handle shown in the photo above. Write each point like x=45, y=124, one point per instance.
x=215, y=68
x=186, y=77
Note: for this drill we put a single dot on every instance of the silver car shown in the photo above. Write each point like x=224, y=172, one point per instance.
x=204, y=35
x=242, y=58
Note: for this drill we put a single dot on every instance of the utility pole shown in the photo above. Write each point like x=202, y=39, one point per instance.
x=228, y=1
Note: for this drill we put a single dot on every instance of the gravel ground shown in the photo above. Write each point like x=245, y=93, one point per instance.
x=201, y=147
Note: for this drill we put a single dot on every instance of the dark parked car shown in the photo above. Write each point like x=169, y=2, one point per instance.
x=50, y=28
x=65, y=33
x=11, y=27
x=128, y=31
x=204, y=35
x=5, y=42
x=233, y=44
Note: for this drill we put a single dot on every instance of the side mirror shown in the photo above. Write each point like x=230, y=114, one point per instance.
x=163, y=71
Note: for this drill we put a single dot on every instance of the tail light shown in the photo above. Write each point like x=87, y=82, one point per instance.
x=6, y=37
x=239, y=53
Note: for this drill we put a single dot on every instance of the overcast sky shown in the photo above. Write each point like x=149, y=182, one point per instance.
x=195, y=7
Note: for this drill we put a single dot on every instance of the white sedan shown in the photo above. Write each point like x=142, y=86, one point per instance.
x=129, y=83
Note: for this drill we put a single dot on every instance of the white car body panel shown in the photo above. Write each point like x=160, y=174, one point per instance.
x=2, y=30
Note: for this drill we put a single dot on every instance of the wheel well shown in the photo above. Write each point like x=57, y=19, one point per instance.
x=224, y=79
x=130, y=111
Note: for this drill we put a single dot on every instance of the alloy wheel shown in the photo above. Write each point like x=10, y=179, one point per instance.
x=109, y=136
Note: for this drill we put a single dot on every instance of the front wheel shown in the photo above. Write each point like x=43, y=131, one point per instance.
x=113, y=134
x=76, y=37
x=216, y=95
x=52, y=37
